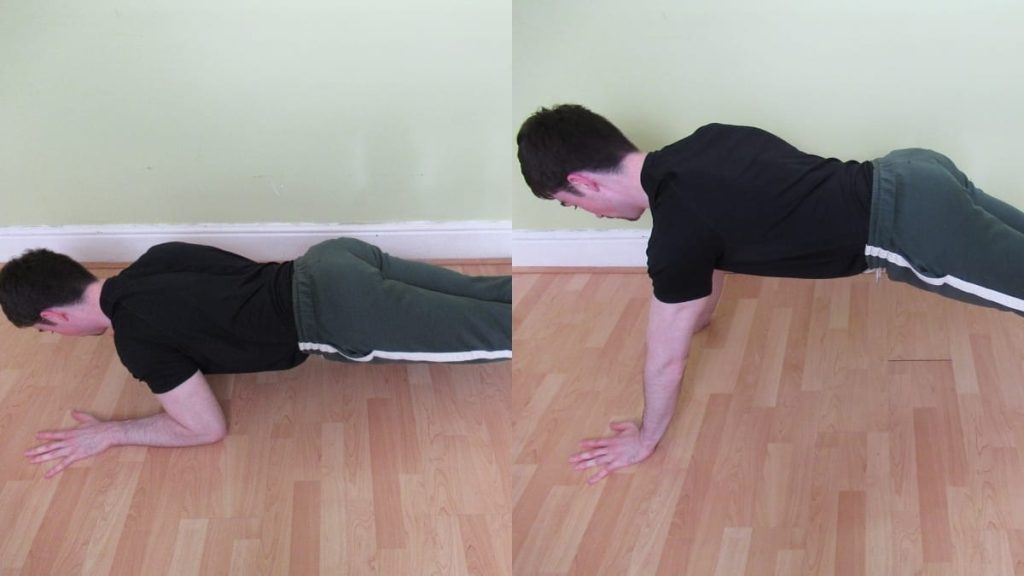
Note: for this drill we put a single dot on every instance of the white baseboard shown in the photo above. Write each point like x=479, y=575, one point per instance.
x=598, y=248
x=264, y=242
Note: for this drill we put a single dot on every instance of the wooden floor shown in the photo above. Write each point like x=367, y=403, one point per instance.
x=836, y=427
x=328, y=469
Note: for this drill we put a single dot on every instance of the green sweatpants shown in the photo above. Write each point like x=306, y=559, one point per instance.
x=931, y=227
x=355, y=303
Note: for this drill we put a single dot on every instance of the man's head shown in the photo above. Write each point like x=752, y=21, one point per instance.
x=40, y=287
x=556, y=142
x=565, y=151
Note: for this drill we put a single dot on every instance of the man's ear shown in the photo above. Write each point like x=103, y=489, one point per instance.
x=53, y=316
x=582, y=182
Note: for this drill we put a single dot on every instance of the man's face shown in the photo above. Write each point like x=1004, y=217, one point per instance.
x=600, y=205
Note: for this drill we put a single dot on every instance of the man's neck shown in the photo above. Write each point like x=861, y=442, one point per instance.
x=91, y=303
x=630, y=170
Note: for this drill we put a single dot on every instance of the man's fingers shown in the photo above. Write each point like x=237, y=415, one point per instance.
x=49, y=447
x=600, y=450
x=580, y=456
x=612, y=467
x=585, y=464
x=54, y=435
x=599, y=461
x=608, y=465
x=68, y=461
x=51, y=455
x=38, y=450
x=600, y=475
x=58, y=468
x=47, y=457
x=609, y=453
x=83, y=417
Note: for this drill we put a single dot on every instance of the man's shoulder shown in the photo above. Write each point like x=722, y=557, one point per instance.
x=715, y=132
x=712, y=148
x=160, y=255
x=179, y=248
x=150, y=352
x=147, y=279
x=184, y=256
x=693, y=145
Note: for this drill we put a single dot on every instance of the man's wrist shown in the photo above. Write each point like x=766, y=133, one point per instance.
x=647, y=440
x=115, y=433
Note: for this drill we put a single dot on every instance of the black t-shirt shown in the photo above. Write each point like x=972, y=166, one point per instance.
x=743, y=200
x=184, y=307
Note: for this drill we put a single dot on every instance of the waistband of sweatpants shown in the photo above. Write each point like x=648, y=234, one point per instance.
x=302, y=299
x=883, y=210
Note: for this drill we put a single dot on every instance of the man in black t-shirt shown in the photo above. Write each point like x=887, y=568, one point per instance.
x=739, y=199
x=183, y=311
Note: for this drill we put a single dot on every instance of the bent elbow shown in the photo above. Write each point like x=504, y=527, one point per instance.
x=212, y=435
x=217, y=434
x=702, y=324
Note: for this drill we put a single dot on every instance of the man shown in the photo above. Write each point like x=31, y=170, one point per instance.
x=183, y=310
x=730, y=198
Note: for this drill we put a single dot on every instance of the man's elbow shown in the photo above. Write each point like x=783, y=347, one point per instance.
x=702, y=323
x=704, y=318
x=210, y=434
x=217, y=433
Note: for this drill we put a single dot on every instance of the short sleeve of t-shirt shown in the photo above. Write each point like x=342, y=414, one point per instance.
x=681, y=259
x=149, y=358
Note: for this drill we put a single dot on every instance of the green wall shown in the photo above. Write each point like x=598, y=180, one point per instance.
x=191, y=111
x=361, y=112
x=846, y=78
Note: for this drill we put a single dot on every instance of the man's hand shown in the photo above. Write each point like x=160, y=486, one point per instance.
x=612, y=452
x=70, y=445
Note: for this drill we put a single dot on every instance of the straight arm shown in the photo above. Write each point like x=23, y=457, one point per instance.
x=670, y=329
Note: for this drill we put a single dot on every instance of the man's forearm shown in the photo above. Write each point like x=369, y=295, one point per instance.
x=661, y=390
x=159, y=430
x=670, y=328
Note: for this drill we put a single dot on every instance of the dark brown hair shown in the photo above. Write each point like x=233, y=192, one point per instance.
x=37, y=280
x=555, y=142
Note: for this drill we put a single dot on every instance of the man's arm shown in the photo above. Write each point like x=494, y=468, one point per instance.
x=670, y=328
x=717, y=281
x=191, y=417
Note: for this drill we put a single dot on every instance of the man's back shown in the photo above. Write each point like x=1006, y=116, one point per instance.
x=185, y=307
x=741, y=199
